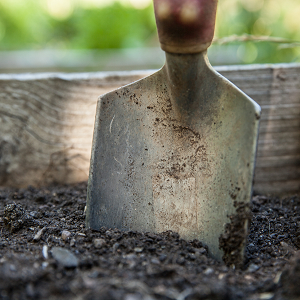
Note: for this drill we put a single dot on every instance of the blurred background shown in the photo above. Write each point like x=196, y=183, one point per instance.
x=109, y=35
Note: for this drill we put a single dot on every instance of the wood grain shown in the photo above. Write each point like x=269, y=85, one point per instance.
x=46, y=124
x=277, y=89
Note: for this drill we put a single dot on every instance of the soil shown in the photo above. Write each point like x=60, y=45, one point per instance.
x=47, y=253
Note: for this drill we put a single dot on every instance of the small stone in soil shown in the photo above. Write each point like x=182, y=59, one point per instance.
x=99, y=243
x=80, y=234
x=202, y=250
x=65, y=235
x=252, y=268
x=64, y=257
x=208, y=271
x=138, y=250
x=155, y=261
x=45, y=251
x=39, y=234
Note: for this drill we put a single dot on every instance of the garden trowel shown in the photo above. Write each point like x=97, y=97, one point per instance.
x=176, y=150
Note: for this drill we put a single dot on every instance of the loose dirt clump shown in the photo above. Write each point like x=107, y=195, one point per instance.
x=50, y=254
x=15, y=217
x=232, y=242
x=290, y=279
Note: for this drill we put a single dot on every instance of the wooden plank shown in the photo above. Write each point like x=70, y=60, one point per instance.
x=278, y=148
x=277, y=161
x=46, y=124
x=280, y=136
x=277, y=90
x=292, y=110
x=279, y=125
x=278, y=188
x=285, y=173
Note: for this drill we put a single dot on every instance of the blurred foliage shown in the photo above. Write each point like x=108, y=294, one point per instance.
x=68, y=24
x=261, y=18
x=111, y=27
x=28, y=24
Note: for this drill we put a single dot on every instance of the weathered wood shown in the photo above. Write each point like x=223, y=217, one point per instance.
x=46, y=124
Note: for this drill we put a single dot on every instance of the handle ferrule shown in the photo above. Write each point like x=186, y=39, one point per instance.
x=185, y=26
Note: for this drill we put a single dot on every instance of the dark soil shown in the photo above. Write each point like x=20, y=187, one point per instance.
x=46, y=253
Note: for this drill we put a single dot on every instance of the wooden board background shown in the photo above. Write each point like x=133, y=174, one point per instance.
x=46, y=124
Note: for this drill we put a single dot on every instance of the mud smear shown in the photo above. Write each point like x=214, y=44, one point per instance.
x=232, y=241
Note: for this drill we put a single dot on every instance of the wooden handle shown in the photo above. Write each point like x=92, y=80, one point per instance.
x=185, y=26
